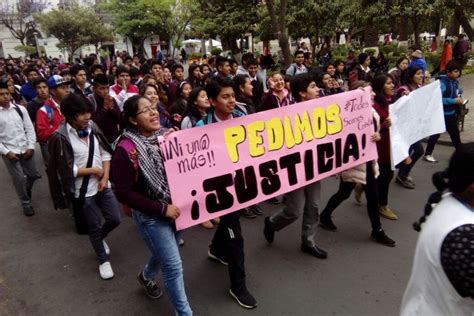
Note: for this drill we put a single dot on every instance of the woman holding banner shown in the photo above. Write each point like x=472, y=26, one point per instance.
x=140, y=182
x=384, y=91
x=366, y=175
x=412, y=80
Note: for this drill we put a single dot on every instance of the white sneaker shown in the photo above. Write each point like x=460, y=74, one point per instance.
x=430, y=158
x=105, y=270
x=106, y=248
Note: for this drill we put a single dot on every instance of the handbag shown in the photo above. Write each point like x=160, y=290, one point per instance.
x=78, y=202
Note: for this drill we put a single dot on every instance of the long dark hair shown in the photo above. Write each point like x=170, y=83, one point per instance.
x=456, y=179
x=377, y=85
x=239, y=81
x=195, y=82
x=409, y=73
x=192, y=109
x=130, y=109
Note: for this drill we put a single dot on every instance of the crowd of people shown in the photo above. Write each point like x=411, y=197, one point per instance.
x=96, y=126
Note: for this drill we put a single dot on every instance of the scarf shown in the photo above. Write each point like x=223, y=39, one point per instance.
x=151, y=164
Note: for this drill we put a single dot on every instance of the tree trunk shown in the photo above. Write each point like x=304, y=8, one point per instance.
x=416, y=30
x=279, y=27
x=462, y=19
x=402, y=29
x=371, y=35
x=453, y=28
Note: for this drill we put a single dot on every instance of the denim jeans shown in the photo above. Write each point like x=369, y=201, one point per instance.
x=415, y=151
x=102, y=203
x=24, y=174
x=162, y=239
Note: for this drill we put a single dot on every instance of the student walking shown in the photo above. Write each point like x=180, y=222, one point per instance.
x=304, y=200
x=140, y=181
x=227, y=246
x=78, y=174
x=17, y=144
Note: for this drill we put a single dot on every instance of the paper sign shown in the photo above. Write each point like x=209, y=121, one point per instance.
x=414, y=117
x=224, y=167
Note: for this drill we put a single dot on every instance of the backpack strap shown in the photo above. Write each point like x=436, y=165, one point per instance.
x=131, y=150
x=132, y=153
x=18, y=110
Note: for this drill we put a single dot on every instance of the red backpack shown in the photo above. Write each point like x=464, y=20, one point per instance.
x=132, y=153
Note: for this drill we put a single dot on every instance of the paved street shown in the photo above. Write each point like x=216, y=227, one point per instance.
x=46, y=269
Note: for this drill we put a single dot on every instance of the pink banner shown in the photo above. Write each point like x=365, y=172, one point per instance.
x=224, y=167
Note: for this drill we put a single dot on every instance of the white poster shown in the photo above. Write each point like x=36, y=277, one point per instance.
x=414, y=117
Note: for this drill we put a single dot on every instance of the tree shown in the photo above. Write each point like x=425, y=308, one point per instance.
x=178, y=20
x=322, y=14
x=15, y=17
x=230, y=20
x=462, y=11
x=279, y=27
x=73, y=28
x=99, y=34
x=139, y=19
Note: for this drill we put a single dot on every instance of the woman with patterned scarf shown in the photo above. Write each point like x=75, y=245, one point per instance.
x=140, y=182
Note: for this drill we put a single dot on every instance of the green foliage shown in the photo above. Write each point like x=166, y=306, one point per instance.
x=313, y=18
x=27, y=49
x=138, y=19
x=216, y=51
x=195, y=56
x=74, y=27
x=230, y=19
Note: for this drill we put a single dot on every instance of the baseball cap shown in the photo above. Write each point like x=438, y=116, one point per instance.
x=56, y=80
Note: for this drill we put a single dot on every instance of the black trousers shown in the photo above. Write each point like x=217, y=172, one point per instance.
x=452, y=128
x=344, y=192
x=383, y=183
x=229, y=243
x=416, y=151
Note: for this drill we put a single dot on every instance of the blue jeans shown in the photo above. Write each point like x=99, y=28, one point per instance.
x=162, y=239
x=102, y=203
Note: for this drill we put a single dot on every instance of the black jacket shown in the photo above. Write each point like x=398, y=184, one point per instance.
x=61, y=161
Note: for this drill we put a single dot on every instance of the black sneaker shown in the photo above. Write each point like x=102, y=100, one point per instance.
x=274, y=201
x=247, y=213
x=268, y=230
x=28, y=210
x=327, y=223
x=256, y=209
x=405, y=182
x=214, y=256
x=151, y=287
x=244, y=298
x=380, y=237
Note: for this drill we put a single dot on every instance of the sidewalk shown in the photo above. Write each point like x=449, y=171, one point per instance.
x=467, y=136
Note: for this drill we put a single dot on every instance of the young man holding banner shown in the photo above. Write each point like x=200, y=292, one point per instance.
x=304, y=200
x=227, y=246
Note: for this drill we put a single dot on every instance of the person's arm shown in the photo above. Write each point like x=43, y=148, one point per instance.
x=55, y=187
x=457, y=259
x=123, y=176
x=447, y=101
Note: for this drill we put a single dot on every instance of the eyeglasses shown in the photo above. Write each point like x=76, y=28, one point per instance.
x=148, y=110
